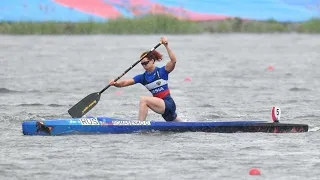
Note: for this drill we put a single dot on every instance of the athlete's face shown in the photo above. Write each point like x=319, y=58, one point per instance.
x=146, y=63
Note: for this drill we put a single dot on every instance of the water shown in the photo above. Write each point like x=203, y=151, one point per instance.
x=41, y=77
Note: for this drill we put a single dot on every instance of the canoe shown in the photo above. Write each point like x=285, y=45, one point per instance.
x=107, y=125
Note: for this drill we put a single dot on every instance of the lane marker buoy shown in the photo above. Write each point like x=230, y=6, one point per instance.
x=275, y=114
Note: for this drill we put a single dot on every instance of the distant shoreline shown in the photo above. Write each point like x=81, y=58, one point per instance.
x=156, y=24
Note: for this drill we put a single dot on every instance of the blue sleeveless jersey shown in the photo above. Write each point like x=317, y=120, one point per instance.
x=156, y=82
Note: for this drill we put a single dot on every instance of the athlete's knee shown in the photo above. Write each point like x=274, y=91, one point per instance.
x=143, y=100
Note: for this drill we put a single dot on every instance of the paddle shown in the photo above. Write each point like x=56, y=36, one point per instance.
x=87, y=103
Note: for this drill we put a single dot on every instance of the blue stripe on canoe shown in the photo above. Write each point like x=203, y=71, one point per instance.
x=108, y=125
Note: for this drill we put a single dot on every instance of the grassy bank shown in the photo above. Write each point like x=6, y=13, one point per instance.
x=158, y=24
x=270, y=26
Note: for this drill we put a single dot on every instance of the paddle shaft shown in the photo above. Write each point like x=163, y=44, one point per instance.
x=133, y=65
x=87, y=103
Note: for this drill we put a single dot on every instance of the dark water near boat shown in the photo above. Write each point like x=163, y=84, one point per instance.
x=41, y=77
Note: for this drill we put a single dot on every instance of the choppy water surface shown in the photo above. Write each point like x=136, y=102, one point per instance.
x=41, y=77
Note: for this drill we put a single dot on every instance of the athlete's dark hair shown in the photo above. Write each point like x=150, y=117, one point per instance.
x=154, y=55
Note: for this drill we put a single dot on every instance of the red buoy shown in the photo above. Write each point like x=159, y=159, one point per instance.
x=275, y=114
x=254, y=172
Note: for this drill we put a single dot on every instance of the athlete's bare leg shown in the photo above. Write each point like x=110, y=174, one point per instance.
x=154, y=103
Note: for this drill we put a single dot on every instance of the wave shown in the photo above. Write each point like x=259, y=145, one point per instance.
x=307, y=116
x=55, y=105
x=211, y=117
x=250, y=148
x=127, y=104
x=292, y=101
x=236, y=87
x=314, y=129
x=39, y=104
x=299, y=89
x=206, y=106
x=32, y=104
x=5, y=90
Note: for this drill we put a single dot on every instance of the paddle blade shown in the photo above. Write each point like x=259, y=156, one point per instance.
x=85, y=105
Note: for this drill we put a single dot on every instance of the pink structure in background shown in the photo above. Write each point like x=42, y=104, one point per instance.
x=196, y=10
x=143, y=7
x=106, y=9
x=95, y=7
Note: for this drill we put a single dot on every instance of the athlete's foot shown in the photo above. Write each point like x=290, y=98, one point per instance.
x=178, y=119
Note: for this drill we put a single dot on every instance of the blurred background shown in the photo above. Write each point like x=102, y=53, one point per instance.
x=271, y=58
x=101, y=10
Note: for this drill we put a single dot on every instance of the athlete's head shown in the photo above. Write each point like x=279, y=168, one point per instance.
x=148, y=61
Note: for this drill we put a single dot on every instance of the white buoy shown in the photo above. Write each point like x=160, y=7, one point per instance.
x=275, y=114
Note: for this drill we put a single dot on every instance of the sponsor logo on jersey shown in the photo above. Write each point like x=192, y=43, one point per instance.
x=156, y=84
x=157, y=90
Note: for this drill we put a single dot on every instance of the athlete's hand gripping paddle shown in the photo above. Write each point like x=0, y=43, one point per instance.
x=87, y=103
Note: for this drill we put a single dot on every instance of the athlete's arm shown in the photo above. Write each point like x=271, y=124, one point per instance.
x=172, y=63
x=123, y=83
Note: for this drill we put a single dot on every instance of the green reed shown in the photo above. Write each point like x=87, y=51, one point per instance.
x=156, y=24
